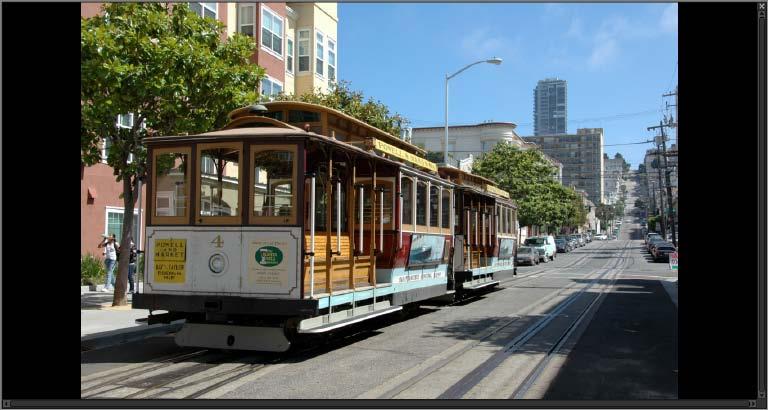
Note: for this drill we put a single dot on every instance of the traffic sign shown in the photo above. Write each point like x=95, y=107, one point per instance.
x=673, y=260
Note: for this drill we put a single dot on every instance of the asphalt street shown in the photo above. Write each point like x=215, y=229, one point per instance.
x=596, y=323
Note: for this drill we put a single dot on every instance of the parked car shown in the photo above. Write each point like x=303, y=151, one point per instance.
x=545, y=245
x=527, y=255
x=662, y=251
x=655, y=242
x=649, y=235
x=580, y=238
x=575, y=240
x=562, y=245
x=601, y=237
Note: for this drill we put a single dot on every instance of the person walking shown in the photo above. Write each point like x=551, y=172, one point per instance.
x=111, y=247
x=132, y=266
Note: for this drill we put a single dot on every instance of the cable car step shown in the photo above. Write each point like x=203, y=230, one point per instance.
x=480, y=283
x=347, y=317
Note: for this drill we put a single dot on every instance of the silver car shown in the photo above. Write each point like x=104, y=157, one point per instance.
x=527, y=255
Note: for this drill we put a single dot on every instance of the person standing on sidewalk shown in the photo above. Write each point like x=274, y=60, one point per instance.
x=132, y=266
x=111, y=247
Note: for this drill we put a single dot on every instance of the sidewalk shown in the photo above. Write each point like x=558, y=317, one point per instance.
x=102, y=325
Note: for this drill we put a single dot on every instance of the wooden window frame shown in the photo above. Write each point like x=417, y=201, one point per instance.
x=389, y=182
x=411, y=227
x=421, y=228
x=273, y=220
x=219, y=220
x=171, y=220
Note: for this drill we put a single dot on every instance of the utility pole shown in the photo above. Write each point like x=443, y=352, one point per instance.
x=661, y=185
x=663, y=144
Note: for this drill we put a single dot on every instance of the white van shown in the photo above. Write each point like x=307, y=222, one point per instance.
x=545, y=245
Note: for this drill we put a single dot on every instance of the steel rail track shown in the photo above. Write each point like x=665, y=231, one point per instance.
x=542, y=364
x=466, y=383
x=400, y=387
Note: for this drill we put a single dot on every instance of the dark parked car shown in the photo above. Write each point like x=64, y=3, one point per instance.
x=655, y=242
x=662, y=251
x=562, y=245
x=527, y=255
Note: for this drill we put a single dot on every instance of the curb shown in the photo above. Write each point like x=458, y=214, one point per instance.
x=121, y=336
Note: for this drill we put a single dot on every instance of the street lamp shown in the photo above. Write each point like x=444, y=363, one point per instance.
x=495, y=61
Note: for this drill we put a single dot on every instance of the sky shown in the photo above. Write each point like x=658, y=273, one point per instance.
x=618, y=60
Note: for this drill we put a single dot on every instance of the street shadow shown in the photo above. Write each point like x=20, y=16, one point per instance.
x=627, y=351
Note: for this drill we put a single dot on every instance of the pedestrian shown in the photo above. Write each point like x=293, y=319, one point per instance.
x=111, y=247
x=132, y=266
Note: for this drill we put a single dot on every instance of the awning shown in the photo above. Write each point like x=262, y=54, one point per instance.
x=91, y=193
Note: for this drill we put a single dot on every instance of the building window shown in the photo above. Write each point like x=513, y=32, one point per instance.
x=446, y=198
x=303, y=50
x=319, y=54
x=114, y=225
x=488, y=145
x=271, y=31
x=289, y=56
x=331, y=60
x=246, y=13
x=270, y=88
x=204, y=9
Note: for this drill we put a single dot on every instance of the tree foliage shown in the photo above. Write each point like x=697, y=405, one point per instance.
x=171, y=70
x=529, y=179
x=353, y=103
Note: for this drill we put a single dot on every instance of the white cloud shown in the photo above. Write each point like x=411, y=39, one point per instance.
x=603, y=53
x=575, y=29
x=668, y=21
x=481, y=43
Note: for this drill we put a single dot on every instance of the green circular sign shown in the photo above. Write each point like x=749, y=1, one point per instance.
x=269, y=256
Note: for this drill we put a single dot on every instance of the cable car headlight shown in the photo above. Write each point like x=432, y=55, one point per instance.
x=217, y=263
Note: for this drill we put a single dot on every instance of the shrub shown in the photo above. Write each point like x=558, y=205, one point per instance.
x=91, y=270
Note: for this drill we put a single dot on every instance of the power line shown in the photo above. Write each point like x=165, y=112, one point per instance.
x=571, y=121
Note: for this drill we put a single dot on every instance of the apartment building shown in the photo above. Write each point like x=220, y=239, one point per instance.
x=612, y=175
x=550, y=107
x=582, y=157
x=297, y=45
x=472, y=141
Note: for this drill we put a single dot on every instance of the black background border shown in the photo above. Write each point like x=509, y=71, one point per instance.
x=723, y=205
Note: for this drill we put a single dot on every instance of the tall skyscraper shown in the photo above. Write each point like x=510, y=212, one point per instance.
x=550, y=107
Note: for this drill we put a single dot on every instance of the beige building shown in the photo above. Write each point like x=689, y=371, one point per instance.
x=472, y=141
x=298, y=43
x=582, y=158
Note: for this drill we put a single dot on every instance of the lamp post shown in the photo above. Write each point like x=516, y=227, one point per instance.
x=494, y=60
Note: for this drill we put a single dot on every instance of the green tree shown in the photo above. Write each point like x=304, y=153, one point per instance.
x=353, y=103
x=171, y=70
x=529, y=179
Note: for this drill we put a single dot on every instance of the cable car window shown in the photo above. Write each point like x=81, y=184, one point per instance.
x=273, y=187
x=171, y=184
x=434, y=203
x=387, y=202
x=446, y=208
x=277, y=115
x=220, y=188
x=303, y=116
x=407, y=190
x=321, y=204
x=421, y=203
